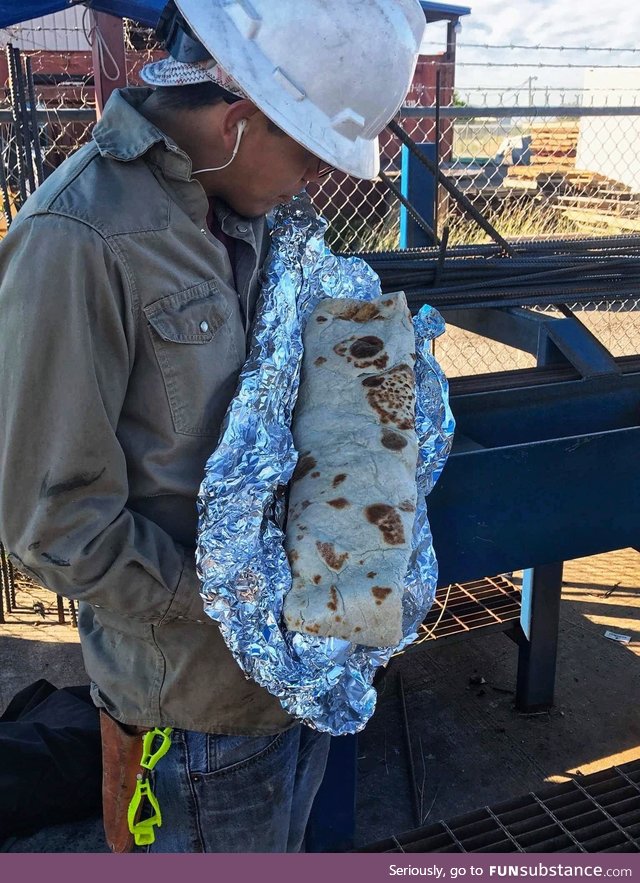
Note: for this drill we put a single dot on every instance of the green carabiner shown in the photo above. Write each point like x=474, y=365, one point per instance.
x=142, y=830
x=149, y=757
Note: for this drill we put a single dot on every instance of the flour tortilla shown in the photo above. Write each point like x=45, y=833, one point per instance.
x=353, y=495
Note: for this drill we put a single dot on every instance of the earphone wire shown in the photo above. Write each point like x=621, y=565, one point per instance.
x=241, y=126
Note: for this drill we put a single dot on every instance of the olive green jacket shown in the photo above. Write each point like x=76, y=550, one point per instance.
x=122, y=334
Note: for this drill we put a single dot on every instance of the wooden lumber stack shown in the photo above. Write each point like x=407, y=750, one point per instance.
x=555, y=144
x=592, y=201
x=603, y=208
x=553, y=158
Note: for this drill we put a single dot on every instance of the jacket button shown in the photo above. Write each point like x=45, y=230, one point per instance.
x=204, y=326
x=242, y=228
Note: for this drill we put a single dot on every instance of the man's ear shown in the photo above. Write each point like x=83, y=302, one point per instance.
x=239, y=110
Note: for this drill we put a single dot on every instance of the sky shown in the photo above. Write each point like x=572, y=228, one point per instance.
x=581, y=23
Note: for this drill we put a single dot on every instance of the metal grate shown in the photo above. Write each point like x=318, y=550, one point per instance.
x=492, y=602
x=596, y=813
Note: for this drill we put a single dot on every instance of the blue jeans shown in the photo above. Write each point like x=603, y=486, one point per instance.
x=238, y=793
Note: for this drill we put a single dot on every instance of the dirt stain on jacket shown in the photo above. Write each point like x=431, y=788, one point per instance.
x=83, y=480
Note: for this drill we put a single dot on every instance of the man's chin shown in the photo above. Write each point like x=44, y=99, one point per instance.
x=252, y=212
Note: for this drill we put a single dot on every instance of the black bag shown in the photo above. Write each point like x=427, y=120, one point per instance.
x=50, y=759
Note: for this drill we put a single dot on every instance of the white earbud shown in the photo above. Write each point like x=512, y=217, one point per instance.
x=241, y=127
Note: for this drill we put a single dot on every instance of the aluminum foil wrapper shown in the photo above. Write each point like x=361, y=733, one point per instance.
x=324, y=682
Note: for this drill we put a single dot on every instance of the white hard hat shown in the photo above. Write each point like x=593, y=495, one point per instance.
x=329, y=73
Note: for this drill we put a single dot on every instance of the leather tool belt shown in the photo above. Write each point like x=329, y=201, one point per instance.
x=120, y=771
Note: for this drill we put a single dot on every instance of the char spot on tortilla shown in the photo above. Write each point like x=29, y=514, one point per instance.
x=357, y=629
x=333, y=603
x=388, y=521
x=303, y=467
x=320, y=360
x=338, y=479
x=393, y=440
x=371, y=574
x=328, y=553
x=393, y=397
x=338, y=618
x=293, y=556
x=364, y=312
x=322, y=319
x=377, y=512
x=380, y=593
x=407, y=506
x=366, y=352
x=317, y=578
x=315, y=474
x=314, y=629
x=388, y=303
x=339, y=503
x=340, y=349
x=366, y=347
x=305, y=504
x=373, y=382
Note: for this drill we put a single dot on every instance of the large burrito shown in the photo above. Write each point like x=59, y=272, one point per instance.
x=353, y=494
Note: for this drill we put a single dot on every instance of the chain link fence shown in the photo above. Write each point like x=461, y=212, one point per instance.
x=65, y=113
x=549, y=172
x=552, y=171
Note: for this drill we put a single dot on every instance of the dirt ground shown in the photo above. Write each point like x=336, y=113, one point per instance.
x=471, y=748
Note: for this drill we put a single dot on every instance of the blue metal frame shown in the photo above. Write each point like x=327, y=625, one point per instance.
x=332, y=821
x=447, y=10
x=517, y=504
x=418, y=186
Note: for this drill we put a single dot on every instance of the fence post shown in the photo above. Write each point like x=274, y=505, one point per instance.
x=109, y=58
x=418, y=185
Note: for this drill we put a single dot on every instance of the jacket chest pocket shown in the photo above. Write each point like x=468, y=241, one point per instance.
x=200, y=353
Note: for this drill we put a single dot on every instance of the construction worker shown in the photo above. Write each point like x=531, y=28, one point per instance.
x=128, y=288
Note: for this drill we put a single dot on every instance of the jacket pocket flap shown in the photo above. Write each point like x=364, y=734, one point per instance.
x=190, y=316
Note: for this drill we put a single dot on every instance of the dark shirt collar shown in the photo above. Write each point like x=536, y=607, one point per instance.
x=124, y=133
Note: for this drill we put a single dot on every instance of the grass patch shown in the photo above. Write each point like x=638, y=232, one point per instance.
x=524, y=220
